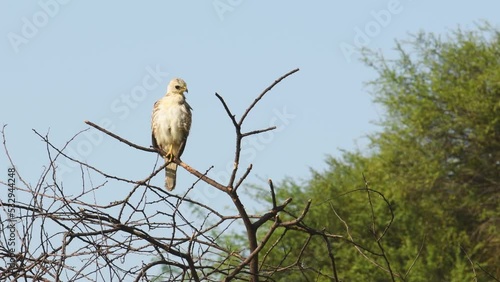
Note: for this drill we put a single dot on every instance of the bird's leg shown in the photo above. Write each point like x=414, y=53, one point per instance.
x=170, y=154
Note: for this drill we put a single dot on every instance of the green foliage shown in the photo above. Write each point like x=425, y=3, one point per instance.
x=436, y=160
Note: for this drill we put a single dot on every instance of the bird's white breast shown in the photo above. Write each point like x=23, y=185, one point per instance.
x=172, y=120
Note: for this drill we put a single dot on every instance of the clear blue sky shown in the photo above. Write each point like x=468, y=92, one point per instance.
x=64, y=62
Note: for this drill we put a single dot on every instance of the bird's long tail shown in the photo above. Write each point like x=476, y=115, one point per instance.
x=170, y=174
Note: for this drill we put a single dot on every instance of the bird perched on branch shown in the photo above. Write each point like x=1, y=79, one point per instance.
x=170, y=124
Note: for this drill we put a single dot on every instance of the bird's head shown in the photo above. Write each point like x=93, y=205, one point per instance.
x=177, y=86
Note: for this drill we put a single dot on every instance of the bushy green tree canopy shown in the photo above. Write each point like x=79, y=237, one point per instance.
x=436, y=160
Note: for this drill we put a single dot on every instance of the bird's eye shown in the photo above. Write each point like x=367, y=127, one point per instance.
x=177, y=87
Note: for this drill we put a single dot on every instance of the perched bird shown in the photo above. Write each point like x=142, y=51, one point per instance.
x=170, y=124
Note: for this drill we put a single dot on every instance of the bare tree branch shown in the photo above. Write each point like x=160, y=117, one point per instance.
x=242, y=119
x=70, y=232
x=120, y=138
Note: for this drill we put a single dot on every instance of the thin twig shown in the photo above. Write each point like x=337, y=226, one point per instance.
x=247, y=172
x=273, y=194
x=470, y=261
x=416, y=257
x=120, y=138
x=258, y=131
x=332, y=257
x=228, y=111
x=264, y=93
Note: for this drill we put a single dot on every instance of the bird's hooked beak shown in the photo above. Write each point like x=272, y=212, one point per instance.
x=187, y=91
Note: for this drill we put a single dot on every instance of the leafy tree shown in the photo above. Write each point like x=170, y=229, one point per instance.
x=436, y=160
